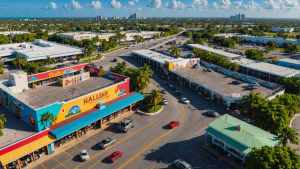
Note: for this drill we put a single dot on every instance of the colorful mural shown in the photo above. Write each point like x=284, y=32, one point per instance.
x=74, y=79
x=104, y=73
x=185, y=63
x=54, y=73
x=73, y=111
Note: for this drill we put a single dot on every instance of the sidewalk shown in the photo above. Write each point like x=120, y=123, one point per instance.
x=82, y=138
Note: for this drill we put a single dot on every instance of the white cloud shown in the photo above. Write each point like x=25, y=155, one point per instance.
x=238, y=5
x=259, y=8
x=271, y=5
x=173, y=4
x=130, y=3
x=140, y=9
x=115, y=5
x=65, y=6
x=225, y=4
x=154, y=4
x=199, y=8
x=191, y=6
x=96, y=5
x=200, y=2
x=284, y=5
x=136, y=0
x=215, y=5
x=53, y=5
x=5, y=5
x=75, y=5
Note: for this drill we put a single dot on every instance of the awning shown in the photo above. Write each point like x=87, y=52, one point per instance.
x=26, y=149
x=84, y=121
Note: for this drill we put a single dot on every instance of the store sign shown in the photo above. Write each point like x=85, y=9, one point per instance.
x=75, y=79
x=57, y=73
x=101, y=105
x=84, y=76
x=95, y=97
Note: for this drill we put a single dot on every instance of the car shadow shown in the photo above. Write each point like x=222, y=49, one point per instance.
x=166, y=127
x=96, y=147
x=77, y=159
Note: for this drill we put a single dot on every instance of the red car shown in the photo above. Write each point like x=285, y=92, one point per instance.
x=114, y=156
x=174, y=124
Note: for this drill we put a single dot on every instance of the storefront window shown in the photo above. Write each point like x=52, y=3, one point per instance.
x=69, y=138
x=81, y=132
x=89, y=127
x=105, y=119
x=46, y=82
x=53, y=80
x=24, y=161
x=57, y=143
x=13, y=165
x=220, y=143
x=40, y=153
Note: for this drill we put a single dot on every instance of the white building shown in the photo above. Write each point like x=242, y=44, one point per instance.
x=116, y=17
x=12, y=33
x=38, y=50
x=282, y=30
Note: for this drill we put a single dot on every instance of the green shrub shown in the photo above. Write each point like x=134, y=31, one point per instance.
x=1, y=133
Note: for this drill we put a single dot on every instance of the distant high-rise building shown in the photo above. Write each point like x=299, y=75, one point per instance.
x=130, y=17
x=239, y=16
x=150, y=18
x=99, y=17
x=116, y=17
x=136, y=16
x=243, y=16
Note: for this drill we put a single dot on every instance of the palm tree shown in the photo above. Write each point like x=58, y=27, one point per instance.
x=136, y=37
x=175, y=50
x=2, y=121
x=248, y=102
x=19, y=60
x=48, y=117
x=49, y=61
x=148, y=71
x=80, y=42
x=288, y=134
x=121, y=68
x=155, y=97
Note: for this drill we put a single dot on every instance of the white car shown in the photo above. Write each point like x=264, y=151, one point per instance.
x=182, y=164
x=84, y=155
x=164, y=101
x=185, y=100
x=163, y=91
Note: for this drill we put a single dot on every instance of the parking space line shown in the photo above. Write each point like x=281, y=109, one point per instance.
x=115, y=145
x=76, y=147
x=69, y=154
x=220, y=156
x=60, y=163
x=85, y=145
x=144, y=149
x=43, y=166
x=92, y=141
x=152, y=167
x=95, y=138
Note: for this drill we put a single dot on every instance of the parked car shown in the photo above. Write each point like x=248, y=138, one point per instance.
x=173, y=124
x=254, y=84
x=177, y=93
x=127, y=48
x=252, y=87
x=185, y=100
x=161, y=46
x=133, y=46
x=184, y=49
x=75, y=61
x=163, y=77
x=165, y=83
x=212, y=113
x=114, y=156
x=171, y=87
x=164, y=92
x=236, y=82
x=114, y=60
x=84, y=155
x=196, y=66
x=164, y=101
x=235, y=48
x=107, y=142
x=182, y=164
x=210, y=70
x=126, y=124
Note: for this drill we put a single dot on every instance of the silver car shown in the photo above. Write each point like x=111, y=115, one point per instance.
x=164, y=92
x=212, y=113
x=164, y=101
x=107, y=142
x=182, y=164
x=84, y=155
x=126, y=124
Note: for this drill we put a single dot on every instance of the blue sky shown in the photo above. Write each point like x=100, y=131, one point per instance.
x=150, y=8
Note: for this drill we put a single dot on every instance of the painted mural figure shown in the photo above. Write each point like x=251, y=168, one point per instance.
x=73, y=111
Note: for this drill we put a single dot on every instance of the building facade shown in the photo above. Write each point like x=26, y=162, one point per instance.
x=288, y=30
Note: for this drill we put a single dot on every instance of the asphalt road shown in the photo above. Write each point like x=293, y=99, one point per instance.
x=150, y=144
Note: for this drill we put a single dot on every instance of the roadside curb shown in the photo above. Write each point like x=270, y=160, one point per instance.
x=103, y=57
x=112, y=52
x=150, y=114
x=293, y=119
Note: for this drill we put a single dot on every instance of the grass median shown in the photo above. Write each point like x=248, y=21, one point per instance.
x=114, y=49
x=92, y=59
x=150, y=109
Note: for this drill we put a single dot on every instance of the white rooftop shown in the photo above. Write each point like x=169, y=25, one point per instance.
x=13, y=32
x=215, y=51
x=267, y=67
x=295, y=61
x=39, y=49
x=158, y=57
x=98, y=33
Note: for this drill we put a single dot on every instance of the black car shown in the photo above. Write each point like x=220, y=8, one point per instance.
x=171, y=87
x=237, y=82
x=60, y=61
x=210, y=70
x=114, y=60
x=163, y=77
x=177, y=93
x=165, y=83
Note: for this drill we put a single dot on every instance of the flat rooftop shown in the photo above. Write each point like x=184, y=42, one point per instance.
x=295, y=61
x=158, y=56
x=15, y=129
x=215, y=51
x=267, y=67
x=49, y=94
x=98, y=33
x=220, y=82
x=39, y=49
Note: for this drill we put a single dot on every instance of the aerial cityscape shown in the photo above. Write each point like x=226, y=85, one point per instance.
x=115, y=84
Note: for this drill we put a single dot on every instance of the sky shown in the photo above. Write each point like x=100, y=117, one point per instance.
x=150, y=8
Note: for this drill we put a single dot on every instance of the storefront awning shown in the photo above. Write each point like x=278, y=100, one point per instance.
x=26, y=149
x=84, y=121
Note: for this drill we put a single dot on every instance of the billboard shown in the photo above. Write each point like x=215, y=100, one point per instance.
x=74, y=79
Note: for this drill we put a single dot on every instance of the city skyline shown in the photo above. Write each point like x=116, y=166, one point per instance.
x=150, y=8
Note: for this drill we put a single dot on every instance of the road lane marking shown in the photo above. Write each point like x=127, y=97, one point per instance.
x=60, y=163
x=152, y=167
x=115, y=145
x=132, y=158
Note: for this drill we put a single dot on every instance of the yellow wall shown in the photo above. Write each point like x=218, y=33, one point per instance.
x=88, y=102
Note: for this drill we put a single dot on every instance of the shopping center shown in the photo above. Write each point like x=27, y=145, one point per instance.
x=82, y=98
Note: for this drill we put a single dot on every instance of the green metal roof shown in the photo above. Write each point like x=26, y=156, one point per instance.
x=250, y=136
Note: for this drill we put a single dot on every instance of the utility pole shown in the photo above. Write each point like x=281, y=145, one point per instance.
x=10, y=36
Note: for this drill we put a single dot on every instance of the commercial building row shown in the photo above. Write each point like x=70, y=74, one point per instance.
x=38, y=50
x=216, y=86
x=90, y=35
x=257, y=69
x=98, y=97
